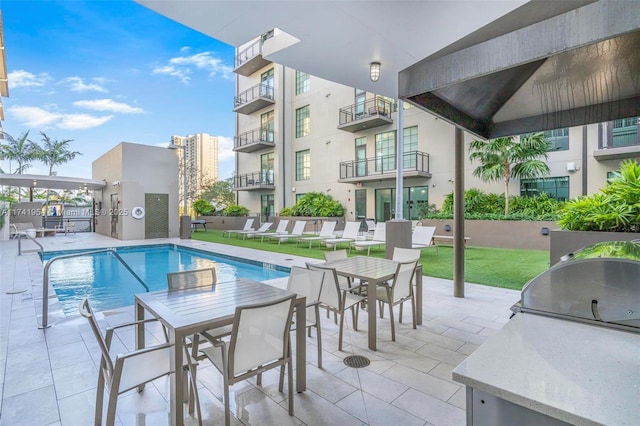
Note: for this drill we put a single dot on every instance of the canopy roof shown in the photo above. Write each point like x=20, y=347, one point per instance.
x=51, y=182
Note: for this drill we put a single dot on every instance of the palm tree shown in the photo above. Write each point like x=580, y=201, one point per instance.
x=54, y=152
x=507, y=158
x=20, y=150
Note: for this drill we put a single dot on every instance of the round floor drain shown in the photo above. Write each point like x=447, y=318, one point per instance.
x=356, y=361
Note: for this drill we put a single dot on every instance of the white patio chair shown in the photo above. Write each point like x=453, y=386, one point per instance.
x=422, y=237
x=337, y=299
x=398, y=291
x=129, y=370
x=325, y=232
x=350, y=234
x=296, y=232
x=371, y=226
x=379, y=239
x=308, y=283
x=280, y=229
x=259, y=342
x=248, y=225
x=252, y=233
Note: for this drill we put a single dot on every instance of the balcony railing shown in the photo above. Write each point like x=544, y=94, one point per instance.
x=620, y=139
x=254, y=99
x=254, y=181
x=250, y=60
x=254, y=140
x=416, y=163
x=366, y=115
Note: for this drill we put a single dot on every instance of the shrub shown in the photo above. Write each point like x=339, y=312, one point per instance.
x=315, y=204
x=203, y=208
x=615, y=208
x=235, y=210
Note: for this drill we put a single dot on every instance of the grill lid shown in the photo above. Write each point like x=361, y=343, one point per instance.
x=599, y=284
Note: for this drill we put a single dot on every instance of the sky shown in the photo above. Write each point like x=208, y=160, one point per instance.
x=110, y=71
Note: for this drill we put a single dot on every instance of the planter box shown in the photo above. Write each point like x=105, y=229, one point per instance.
x=563, y=242
x=514, y=234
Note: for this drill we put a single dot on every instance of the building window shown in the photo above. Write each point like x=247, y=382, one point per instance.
x=410, y=146
x=298, y=196
x=558, y=139
x=267, y=205
x=302, y=82
x=267, y=124
x=361, y=203
x=303, y=118
x=303, y=165
x=361, y=97
x=625, y=132
x=612, y=175
x=415, y=199
x=266, y=36
x=266, y=87
x=361, y=156
x=266, y=169
x=386, y=151
x=555, y=187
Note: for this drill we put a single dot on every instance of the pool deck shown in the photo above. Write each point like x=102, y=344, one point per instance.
x=49, y=376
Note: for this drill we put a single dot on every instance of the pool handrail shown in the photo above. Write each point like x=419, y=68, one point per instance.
x=45, y=278
x=20, y=235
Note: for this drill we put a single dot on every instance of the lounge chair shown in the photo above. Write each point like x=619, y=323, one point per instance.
x=349, y=235
x=296, y=232
x=325, y=232
x=248, y=225
x=422, y=237
x=371, y=226
x=280, y=229
x=379, y=239
x=252, y=233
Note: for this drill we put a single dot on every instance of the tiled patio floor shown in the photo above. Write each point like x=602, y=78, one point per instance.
x=49, y=376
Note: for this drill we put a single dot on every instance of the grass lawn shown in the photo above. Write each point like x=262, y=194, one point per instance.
x=508, y=268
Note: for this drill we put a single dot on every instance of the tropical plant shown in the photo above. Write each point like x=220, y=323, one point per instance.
x=315, y=204
x=507, y=158
x=615, y=208
x=20, y=150
x=235, y=210
x=54, y=152
x=220, y=192
x=202, y=207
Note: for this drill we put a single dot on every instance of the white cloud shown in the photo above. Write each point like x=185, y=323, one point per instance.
x=185, y=49
x=77, y=84
x=225, y=148
x=22, y=78
x=182, y=66
x=108, y=105
x=38, y=117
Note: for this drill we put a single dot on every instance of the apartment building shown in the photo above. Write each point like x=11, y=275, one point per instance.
x=296, y=133
x=202, y=161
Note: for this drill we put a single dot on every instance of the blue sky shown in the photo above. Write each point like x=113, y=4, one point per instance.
x=104, y=72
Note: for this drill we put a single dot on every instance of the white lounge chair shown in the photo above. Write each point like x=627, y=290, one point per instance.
x=371, y=226
x=280, y=229
x=422, y=237
x=296, y=232
x=350, y=233
x=252, y=233
x=325, y=232
x=248, y=225
x=379, y=239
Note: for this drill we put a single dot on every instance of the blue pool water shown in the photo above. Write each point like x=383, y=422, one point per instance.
x=109, y=285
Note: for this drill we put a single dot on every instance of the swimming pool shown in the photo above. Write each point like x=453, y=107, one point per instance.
x=109, y=285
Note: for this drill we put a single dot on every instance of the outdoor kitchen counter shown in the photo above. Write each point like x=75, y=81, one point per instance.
x=574, y=372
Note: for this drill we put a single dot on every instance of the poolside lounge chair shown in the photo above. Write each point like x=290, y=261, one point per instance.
x=248, y=225
x=371, y=226
x=325, y=232
x=350, y=233
x=281, y=229
x=296, y=232
x=422, y=237
x=252, y=233
x=379, y=239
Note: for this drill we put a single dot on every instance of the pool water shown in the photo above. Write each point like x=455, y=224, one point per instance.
x=109, y=285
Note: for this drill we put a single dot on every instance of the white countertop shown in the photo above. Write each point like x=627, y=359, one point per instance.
x=578, y=373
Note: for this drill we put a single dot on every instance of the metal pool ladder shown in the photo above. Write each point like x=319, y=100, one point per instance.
x=45, y=277
x=21, y=235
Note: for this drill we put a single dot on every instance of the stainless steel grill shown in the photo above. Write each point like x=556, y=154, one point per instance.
x=599, y=284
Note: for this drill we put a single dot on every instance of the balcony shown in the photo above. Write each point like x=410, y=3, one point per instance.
x=416, y=164
x=254, y=140
x=254, y=99
x=366, y=115
x=254, y=181
x=250, y=60
x=621, y=140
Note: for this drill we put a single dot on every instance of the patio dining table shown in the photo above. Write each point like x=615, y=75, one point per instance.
x=189, y=311
x=375, y=271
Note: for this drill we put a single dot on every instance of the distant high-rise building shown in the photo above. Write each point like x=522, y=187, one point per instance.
x=202, y=161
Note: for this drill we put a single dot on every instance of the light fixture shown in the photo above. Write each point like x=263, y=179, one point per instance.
x=35, y=182
x=545, y=231
x=374, y=71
